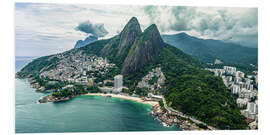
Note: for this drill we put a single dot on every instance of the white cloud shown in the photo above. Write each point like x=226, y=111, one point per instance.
x=230, y=24
x=43, y=29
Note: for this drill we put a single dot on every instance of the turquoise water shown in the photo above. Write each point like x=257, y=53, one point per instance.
x=81, y=114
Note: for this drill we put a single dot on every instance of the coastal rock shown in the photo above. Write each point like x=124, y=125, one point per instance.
x=41, y=89
x=51, y=98
x=163, y=116
x=35, y=85
x=44, y=99
x=170, y=120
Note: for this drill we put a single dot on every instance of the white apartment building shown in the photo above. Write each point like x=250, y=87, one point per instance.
x=252, y=108
x=236, y=89
x=241, y=101
x=118, y=83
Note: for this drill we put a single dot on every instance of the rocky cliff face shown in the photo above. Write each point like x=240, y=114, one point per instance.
x=128, y=35
x=144, y=50
x=134, y=48
x=121, y=43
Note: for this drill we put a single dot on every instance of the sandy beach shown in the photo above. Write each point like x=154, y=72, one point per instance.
x=137, y=99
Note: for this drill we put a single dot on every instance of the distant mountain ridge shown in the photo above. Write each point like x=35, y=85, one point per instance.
x=207, y=50
x=81, y=43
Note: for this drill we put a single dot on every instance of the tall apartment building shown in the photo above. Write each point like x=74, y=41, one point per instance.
x=118, y=83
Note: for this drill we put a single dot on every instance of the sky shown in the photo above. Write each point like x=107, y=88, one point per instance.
x=45, y=29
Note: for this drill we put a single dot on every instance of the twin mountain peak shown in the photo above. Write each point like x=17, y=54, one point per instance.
x=131, y=50
x=135, y=47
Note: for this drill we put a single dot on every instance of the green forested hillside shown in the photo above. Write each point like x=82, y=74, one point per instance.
x=208, y=50
x=198, y=93
x=38, y=65
x=194, y=91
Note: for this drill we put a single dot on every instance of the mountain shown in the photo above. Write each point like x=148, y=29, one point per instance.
x=208, y=50
x=88, y=40
x=187, y=88
x=120, y=44
x=143, y=51
x=128, y=35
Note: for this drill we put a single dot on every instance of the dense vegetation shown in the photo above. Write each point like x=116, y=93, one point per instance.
x=37, y=65
x=141, y=91
x=76, y=90
x=49, y=84
x=161, y=104
x=57, y=87
x=198, y=93
x=110, y=84
x=94, y=48
x=111, y=53
x=107, y=76
x=153, y=80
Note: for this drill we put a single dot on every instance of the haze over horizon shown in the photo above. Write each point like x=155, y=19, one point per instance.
x=44, y=29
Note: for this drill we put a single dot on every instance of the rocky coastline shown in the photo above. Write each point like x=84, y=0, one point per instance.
x=170, y=120
x=36, y=85
x=48, y=98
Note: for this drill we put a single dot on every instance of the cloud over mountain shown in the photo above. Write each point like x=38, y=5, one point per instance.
x=228, y=24
x=97, y=30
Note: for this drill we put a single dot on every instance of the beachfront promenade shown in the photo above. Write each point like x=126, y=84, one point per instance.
x=175, y=112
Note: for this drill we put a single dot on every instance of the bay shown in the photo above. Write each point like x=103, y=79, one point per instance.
x=81, y=114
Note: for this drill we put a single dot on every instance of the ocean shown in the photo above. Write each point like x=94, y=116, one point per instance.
x=81, y=114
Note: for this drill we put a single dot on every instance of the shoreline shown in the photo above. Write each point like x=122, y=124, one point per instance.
x=136, y=99
x=165, y=118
